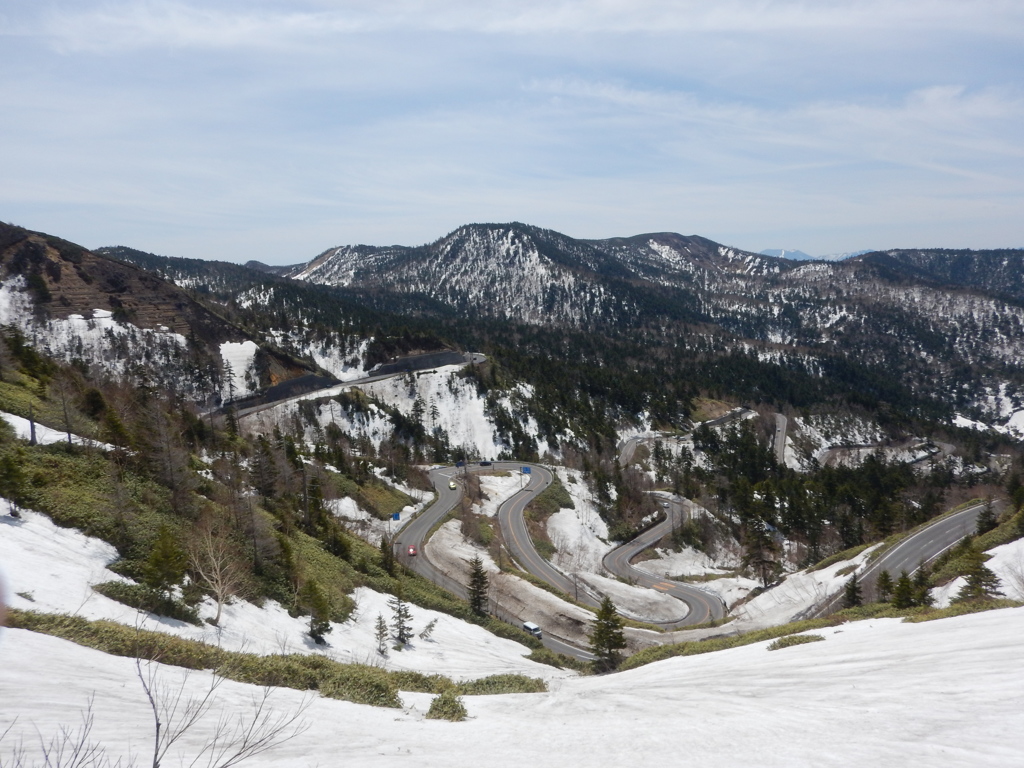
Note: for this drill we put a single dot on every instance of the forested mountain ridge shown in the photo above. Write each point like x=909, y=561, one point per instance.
x=948, y=324
x=83, y=306
x=876, y=328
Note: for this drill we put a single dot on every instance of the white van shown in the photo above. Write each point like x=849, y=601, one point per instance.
x=532, y=628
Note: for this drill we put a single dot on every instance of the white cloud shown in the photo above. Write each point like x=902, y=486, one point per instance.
x=158, y=23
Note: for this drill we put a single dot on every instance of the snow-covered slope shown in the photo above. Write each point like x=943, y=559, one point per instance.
x=52, y=570
x=938, y=694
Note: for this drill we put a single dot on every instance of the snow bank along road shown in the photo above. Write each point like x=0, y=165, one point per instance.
x=393, y=369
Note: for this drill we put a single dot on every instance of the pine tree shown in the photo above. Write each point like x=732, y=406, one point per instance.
x=986, y=519
x=314, y=600
x=852, y=596
x=478, y=584
x=903, y=593
x=981, y=584
x=387, y=555
x=381, y=634
x=922, y=585
x=883, y=587
x=428, y=631
x=607, y=638
x=401, y=616
x=166, y=564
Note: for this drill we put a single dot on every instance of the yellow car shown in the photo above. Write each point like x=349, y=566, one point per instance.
x=452, y=485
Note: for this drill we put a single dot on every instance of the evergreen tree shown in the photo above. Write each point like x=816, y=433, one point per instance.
x=314, y=600
x=400, y=620
x=381, y=635
x=903, y=593
x=607, y=638
x=852, y=596
x=883, y=587
x=166, y=564
x=922, y=585
x=981, y=584
x=478, y=584
x=986, y=519
x=387, y=555
x=428, y=630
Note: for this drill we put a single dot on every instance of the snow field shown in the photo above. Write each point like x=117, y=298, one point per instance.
x=51, y=570
x=877, y=692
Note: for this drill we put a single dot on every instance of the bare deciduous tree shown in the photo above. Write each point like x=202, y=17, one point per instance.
x=234, y=740
x=214, y=563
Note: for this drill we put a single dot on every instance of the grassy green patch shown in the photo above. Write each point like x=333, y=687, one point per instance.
x=495, y=684
x=558, y=660
x=549, y=501
x=144, y=598
x=838, y=557
x=382, y=500
x=790, y=640
x=351, y=682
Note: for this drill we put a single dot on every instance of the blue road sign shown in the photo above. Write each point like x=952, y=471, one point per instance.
x=396, y=516
x=526, y=470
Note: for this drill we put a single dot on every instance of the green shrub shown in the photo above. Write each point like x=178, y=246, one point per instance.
x=557, y=660
x=447, y=706
x=145, y=598
x=495, y=684
x=363, y=685
x=790, y=640
x=838, y=557
x=961, y=609
x=549, y=501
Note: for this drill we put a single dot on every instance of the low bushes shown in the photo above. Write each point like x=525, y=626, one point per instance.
x=447, y=706
x=144, y=598
x=790, y=640
x=358, y=683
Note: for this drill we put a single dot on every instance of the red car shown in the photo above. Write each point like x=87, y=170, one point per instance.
x=412, y=550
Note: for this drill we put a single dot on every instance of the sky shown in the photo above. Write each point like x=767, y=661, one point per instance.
x=271, y=130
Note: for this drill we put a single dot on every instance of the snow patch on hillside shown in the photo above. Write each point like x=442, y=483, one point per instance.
x=239, y=374
x=51, y=570
x=580, y=535
x=813, y=437
x=342, y=356
x=45, y=435
x=109, y=345
x=1007, y=563
x=451, y=403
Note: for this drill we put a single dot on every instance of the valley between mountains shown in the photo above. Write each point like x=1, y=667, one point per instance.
x=511, y=495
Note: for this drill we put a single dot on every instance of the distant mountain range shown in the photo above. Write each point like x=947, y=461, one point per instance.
x=943, y=324
x=801, y=256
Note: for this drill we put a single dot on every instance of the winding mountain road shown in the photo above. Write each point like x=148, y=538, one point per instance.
x=703, y=606
x=417, y=532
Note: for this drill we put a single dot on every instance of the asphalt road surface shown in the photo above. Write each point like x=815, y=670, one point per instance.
x=920, y=547
x=702, y=606
x=416, y=533
x=781, y=423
